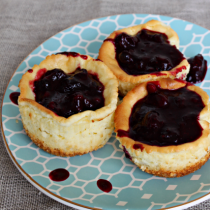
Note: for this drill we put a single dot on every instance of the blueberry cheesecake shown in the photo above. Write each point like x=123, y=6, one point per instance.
x=163, y=127
x=67, y=104
x=143, y=53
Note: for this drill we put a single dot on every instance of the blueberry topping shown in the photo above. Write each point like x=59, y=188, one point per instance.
x=198, y=69
x=68, y=94
x=145, y=53
x=165, y=117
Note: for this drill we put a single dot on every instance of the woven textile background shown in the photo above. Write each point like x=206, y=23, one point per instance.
x=25, y=24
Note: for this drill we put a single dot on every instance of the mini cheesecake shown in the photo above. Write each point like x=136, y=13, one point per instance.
x=67, y=104
x=163, y=127
x=143, y=53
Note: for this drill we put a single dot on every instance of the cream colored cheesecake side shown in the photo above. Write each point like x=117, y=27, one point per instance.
x=173, y=164
x=75, y=139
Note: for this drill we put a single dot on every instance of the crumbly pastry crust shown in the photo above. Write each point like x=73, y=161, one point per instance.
x=80, y=133
x=128, y=82
x=166, y=161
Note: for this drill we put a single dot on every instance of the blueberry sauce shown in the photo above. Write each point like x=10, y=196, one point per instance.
x=104, y=185
x=198, y=69
x=97, y=59
x=73, y=54
x=38, y=76
x=59, y=175
x=165, y=117
x=127, y=154
x=145, y=53
x=138, y=146
x=14, y=97
x=68, y=94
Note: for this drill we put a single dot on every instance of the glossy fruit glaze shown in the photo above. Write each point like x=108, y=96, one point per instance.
x=14, y=97
x=165, y=117
x=68, y=94
x=198, y=69
x=146, y=52
x=104, y=185
x=59, y=175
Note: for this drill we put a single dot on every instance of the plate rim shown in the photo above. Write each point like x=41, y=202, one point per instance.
x=47, y=192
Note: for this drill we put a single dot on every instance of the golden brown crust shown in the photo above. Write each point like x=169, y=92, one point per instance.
x=127, y=82
x=123, y=112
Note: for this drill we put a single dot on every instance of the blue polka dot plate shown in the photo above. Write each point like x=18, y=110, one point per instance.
x=131, y=188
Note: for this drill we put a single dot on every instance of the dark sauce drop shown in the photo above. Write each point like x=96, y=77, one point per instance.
x=59, y=175
x=138, y=146
x=165, y=117
x=30, y=70
x=68, y=94
x=198, y=69
x=127, y=154
x=14, y=97
x=104, y=185
x=97, y=59
x=145, y=53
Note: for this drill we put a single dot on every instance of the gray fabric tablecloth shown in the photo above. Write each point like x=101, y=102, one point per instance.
x=25, y=24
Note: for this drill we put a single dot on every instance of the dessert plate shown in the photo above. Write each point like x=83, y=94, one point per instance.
x=131, y=188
